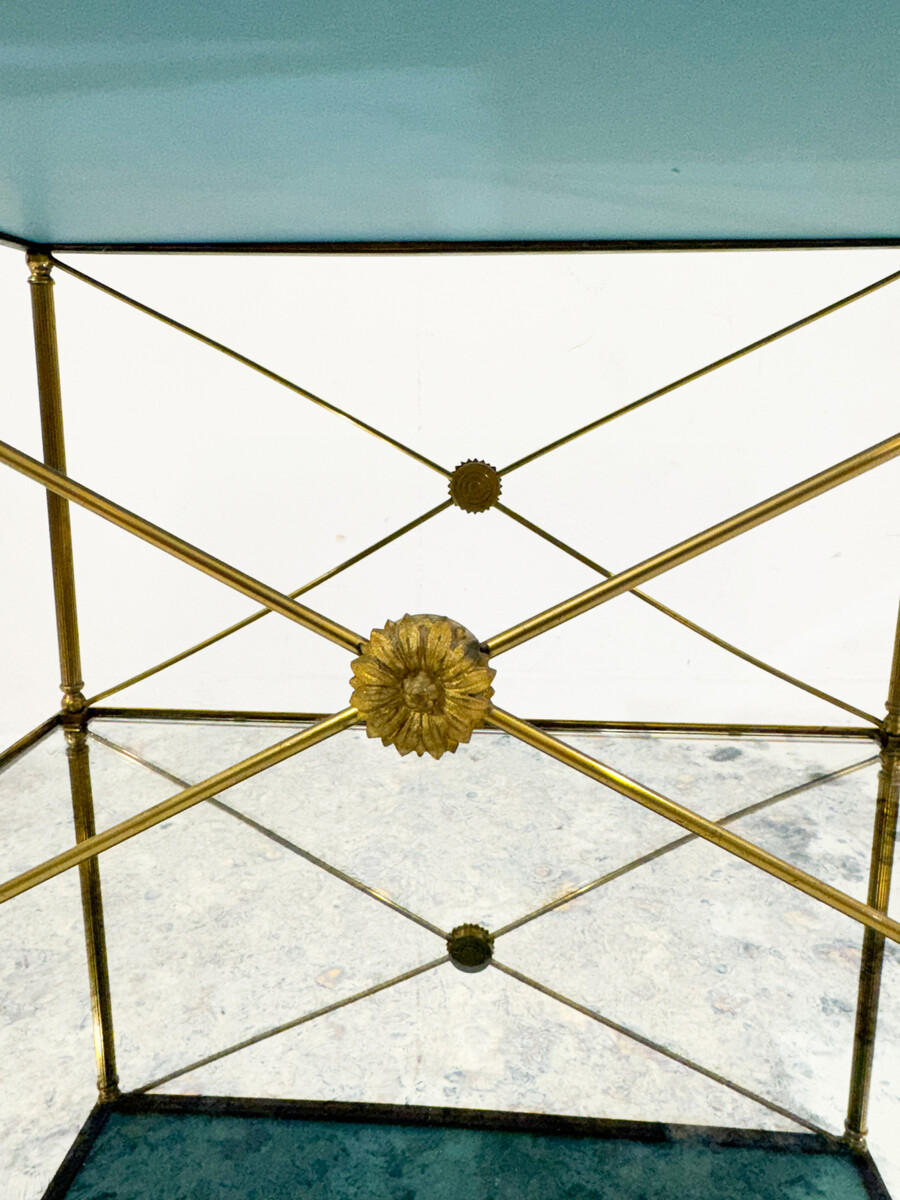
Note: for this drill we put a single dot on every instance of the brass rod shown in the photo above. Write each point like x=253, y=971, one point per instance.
x=92, y=910
x=257, y=616
x=372, y=893
x=716, y=535
x=710, y=367
x=113, y=836
x=62, y=485
x=694, y=823
x=673, y=1055
x=884, y=836
x=249, y=362
x=268, y=1033
x=27, y=741
x=688, y=624
x=197, y=716
x=71, y=683
x=49, y=394
x=652, y=855
x=712, y=729
x=856, y=733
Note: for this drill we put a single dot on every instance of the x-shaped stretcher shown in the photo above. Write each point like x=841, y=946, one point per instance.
x=871, y=915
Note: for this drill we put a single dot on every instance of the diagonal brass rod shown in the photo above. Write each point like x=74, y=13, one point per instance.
x=373, y=893
x=687, y=623
x=268, y=1033
x=129, y=828
x=694, y=823
x=63, y=485
x=660, y=851
x=708, y=369
x=257, y=616
x=634, y=1036
x=28, y=741
x=249, y=362
x=724, y=531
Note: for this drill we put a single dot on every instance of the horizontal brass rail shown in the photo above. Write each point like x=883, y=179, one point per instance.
x=573, y=726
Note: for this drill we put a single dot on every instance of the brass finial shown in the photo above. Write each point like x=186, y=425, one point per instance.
x=855, y=1139
x=73, y=700
x=40, y=265
x=475, y=485
x=891, y=722
x=422, y=683
x=470, y=947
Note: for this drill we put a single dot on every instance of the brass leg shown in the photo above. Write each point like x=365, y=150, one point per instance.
x=883, y=838
x=73, y=704
x=47, y=358
x=92, y=909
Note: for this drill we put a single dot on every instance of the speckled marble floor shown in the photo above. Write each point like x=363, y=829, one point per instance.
x=217, y=933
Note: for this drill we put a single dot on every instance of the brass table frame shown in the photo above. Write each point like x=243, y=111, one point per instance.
x=77, y=711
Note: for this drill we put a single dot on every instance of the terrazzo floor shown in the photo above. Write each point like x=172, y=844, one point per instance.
x=221, y=927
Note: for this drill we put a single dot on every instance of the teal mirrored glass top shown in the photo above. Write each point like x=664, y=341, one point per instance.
x=156, y=121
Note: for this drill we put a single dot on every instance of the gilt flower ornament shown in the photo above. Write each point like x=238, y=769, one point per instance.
x=422, y=683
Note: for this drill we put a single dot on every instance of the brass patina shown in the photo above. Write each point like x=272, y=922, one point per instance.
x=475, y=485
x=422, y=684
x=470, y=947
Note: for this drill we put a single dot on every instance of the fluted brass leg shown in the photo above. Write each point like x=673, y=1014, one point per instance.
x=73, y=704
x=46, y=355
x=882, y=861
x=77, y=753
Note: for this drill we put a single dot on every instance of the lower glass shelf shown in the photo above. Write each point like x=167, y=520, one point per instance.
x=206, y=1147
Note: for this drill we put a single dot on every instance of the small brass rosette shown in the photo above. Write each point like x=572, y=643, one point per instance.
x=475, y=486
x=422, y=684
x=470, y=947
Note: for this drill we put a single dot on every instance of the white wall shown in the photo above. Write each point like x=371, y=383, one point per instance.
x=464, y=357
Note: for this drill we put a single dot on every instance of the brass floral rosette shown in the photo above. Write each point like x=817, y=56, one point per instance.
x=422, y=684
